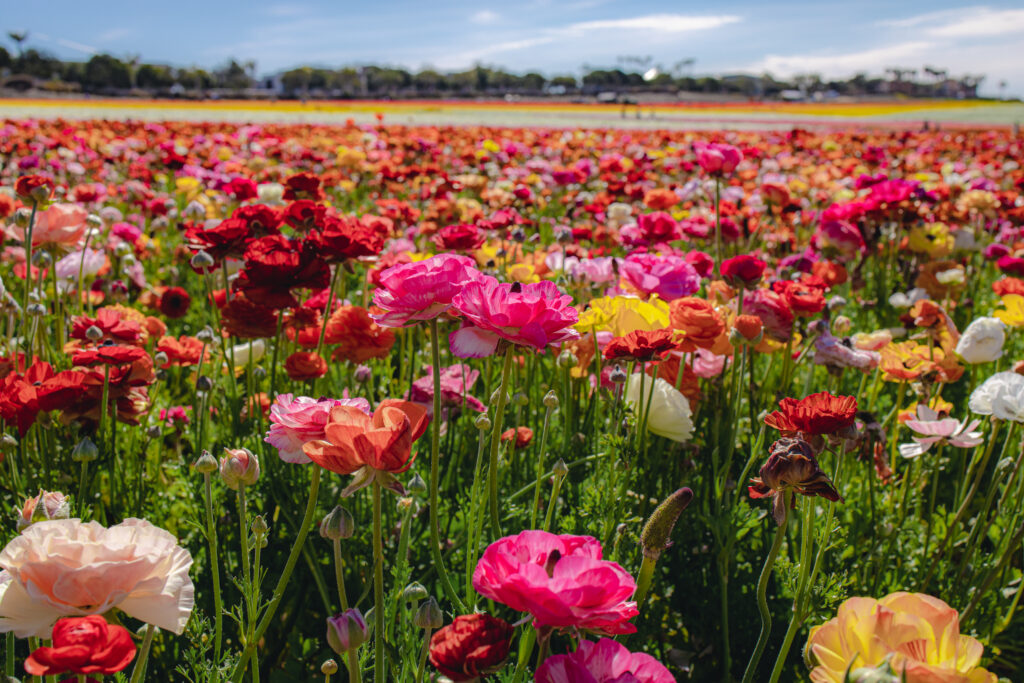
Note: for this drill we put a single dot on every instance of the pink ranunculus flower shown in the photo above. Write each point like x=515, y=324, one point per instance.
x=930, y=429
x=60, y=224
x=296, y=421
x=537, y=315
x=423, y=290
x=666, y=275
x=559, y=579
x=67, y=567
x=605, y=661
x=707, y=364
x=718, y=159
x=456, y=381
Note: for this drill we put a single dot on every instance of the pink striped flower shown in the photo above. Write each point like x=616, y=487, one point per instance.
x=411, y=292
x=605, y=661
x=933, y=430
x=296, y=421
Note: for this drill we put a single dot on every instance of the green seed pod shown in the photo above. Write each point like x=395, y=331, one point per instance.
x=656, y=533
x=85, y=451
x=429, y=615
x=338, y=524
x=206, y=463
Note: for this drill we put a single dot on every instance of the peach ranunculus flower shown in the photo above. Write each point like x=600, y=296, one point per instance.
x=60, y=224
x=67, y=567
x=920, y=632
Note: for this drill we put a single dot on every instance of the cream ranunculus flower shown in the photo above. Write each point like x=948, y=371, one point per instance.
x=66, y=568
x=982, y=341
x=670, y=411
x=1001, y=395
x=922, y=633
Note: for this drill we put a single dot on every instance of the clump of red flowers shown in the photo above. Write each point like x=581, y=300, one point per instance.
x=83, y=645
x=471, y=646
x=820, y=414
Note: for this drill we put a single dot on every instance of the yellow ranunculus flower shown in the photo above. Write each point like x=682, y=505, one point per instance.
x=621, y=315
x=920, y=633
x=1012, y=312
x=933, y=239
x=522, y=272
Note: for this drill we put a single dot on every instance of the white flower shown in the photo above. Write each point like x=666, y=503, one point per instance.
x=65, y=567
x=670, y=414
x=270, y=193
x=1001, y=395
x=901, y=300
x=950, y=276
x=240, y=353
x=982, y=341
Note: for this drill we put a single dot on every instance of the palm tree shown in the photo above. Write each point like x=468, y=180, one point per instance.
x=18, y=37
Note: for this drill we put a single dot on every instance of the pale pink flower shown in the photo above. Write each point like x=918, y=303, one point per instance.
x=423, y=290
x=65, y=567
x=933, y=430
x=456, y=381
x=537, y=315
x=60, y=224
x=295, y=421
x=605, y=661
x=707, y=364
x=560, y=579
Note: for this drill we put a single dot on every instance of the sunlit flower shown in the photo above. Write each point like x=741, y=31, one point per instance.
x=933, y=429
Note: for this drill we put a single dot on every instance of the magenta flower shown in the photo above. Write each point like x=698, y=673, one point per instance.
x=536, y=315
x=423, y=290
x=559, y=579
x=605, y=661
x=455, y=383
x=297, y=421
x=666, y=275
x=933, y=430
x=718, y=159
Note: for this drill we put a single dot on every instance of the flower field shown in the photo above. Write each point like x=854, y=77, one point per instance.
x=302, y=402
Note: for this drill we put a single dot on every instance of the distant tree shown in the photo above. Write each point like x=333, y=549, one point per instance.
x=153, y=76
x=5, y=58
x=38, y=64
x=232, y=76
x=428, y=80
x=346, y=80
x=194, y=79
x=567, y=82
x=533, y=81
x=106, y=71
x=19, y=38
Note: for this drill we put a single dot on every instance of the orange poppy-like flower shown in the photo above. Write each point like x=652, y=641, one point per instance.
x=640, y=345
x=699, y=322
x=908, y=361
x=182, y=351
x=817, y=414
x=520, y=436
x=834, y=274
x=373, y=447
x=1008, y=285
x=661, y=199
x=749, y=327
x=357, y=336
x=302, y=366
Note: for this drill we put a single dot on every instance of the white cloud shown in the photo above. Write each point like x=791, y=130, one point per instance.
x=874, y=61
x=69, y=44
x=485, y=16
x=662, y=23
x=964, y=22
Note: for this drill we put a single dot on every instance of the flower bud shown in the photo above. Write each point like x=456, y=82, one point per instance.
x=329, y=668
x=567, y=359
x=153, y=432
x=417, y=485
x=414, y=592
x=42, y=259
x=496, y=396
x=204, y=383
x=202, y=260
x=656, y=533
x=346, y=631
x=618, y=375
x=8, y=442
x=36, y=309
x=551, y=400
x=520, y=399
x=239, y=468
x=842, y=325
x=560, y=469
x=160, y=357
x=482, y=422
x=338, y=524
x=94, y=221
x=85, y=451
x=206, y=463
x=428, y=615
x=22, y=217
x=259, y=527
x=205, y=335
x=362, y=374
x=749, y=328
x=194, y=211
x=46, y=506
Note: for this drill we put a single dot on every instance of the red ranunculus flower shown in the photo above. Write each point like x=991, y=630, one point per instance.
x=348, y=238
x=459, y=237
x=641, y=345
x=817, y=414
x=227, y=238
x=174, y=302
x=520, y=436
x=35, y=188
x=743, y=270
x=261, y=219
x=241, y=189
x=305, y=214
x=303, y=186
x=275, y=265
x=302, y=366
x=83, y=645
x=247, y=319
x=108, y=354
x=110, y=323
x=470, y=647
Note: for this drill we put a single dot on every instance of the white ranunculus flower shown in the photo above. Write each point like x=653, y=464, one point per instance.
x=270, y=193
x=670, y=411
x=1001, y=395
x=982, y=341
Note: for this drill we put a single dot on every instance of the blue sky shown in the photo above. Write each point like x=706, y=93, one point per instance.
x=551, y=36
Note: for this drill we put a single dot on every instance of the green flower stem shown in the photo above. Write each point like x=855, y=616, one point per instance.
x=555, y=490
x=499, y=418
x=352, y=660
x=378, y=588
x=211, y=535
x=540, y=466
x=282, y=582
x=139, y=672
x=28, y=275
x=474, y=530
x=762, y=589
x=424, y=651
x=797, y=618
x=435, y=466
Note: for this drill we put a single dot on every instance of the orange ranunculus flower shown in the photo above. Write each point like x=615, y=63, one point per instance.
x=909, y=361
x=520, y=436
x=699, y=322
x=919, y=634
x=669, y=370
x=373, y=447
x=834, y=274
x=358, y=337
x=749, y=327
x=661, y=199
x=302, y=366
x=1008, y=285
